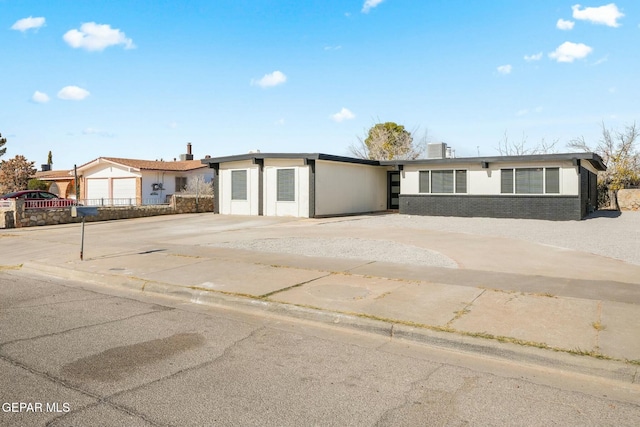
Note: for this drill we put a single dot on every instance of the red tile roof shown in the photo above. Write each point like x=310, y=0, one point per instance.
x=55, y=174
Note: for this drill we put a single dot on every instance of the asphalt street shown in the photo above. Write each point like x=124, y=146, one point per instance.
x=77, y=354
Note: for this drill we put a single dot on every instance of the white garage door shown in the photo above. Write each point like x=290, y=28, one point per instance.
x=124, y=191
x=97, y=191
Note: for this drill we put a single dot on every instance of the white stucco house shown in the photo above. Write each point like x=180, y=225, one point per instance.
x=552, y=186
x=118, y=181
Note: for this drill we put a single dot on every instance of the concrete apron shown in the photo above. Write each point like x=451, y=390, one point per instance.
x=492, y=319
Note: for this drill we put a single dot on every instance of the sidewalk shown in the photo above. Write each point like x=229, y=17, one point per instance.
x=518, y=307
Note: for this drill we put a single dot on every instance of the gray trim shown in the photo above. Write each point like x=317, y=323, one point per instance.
x=493, y=206
x=309, y=156
x=260, y=164
x=216, y=187
x=593, y=158
x=312, y=187
x=484, y=162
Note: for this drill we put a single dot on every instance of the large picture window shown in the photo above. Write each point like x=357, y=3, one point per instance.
x=530, y=181
x=239, y=185
x=286, y=185
x=443, y=181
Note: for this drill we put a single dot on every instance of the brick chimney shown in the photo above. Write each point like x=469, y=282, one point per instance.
x=189, y=155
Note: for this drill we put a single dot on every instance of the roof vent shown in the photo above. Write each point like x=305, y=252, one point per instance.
x=437, y=150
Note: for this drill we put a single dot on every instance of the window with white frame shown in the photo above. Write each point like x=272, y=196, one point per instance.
x=286, y=185
x=530, y=181
x=239, y=185
x=446, y=181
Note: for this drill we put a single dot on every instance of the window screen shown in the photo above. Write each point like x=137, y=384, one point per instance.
x=506, y=180
x=461, y=181
x=442, y=181
x=423, y=186
x=239, y=185
x=529, y=181
x=552, y=181
x=286, y=185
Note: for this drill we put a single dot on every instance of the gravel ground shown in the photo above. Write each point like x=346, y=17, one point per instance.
x=606, y=233
x=346, y=247
x=603, y=233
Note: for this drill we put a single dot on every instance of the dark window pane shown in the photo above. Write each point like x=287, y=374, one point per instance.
x=239, y=185
x=506, y=181
x=461, y=181
x=424, y=182
x=552, y=181
x=286, y=185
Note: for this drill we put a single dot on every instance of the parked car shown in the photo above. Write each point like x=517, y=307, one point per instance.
x=38, y=199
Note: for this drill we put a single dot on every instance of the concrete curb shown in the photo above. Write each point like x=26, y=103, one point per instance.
x=613, y=370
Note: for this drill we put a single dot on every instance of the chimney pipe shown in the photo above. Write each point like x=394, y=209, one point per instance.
x=188, y=148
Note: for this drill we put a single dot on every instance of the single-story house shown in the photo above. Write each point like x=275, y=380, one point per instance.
x=550, y=186
x=61, y=182
x=117, y=181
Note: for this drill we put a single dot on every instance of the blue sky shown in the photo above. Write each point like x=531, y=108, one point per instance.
x=140, y=79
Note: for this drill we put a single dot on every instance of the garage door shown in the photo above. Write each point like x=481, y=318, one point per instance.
x=124, y=191
x=97, y=191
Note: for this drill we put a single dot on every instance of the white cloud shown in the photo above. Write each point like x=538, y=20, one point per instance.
x=527, y=111
x=565, y=25
x=370, y=4
x=269, y=80
x=569, y=52
x=342, y=115
x=606, y=15
x=40, y=97
x=98, y=132
x=504, y=69
x=92, y=36
x=173, y=125
x=601, y=60
x=333, y=47
x=534, y=57
x=279, y=122
x=73, y=93
x=28, y=23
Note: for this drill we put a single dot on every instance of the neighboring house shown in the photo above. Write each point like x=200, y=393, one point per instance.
x=553, y=186
x=111, y=180
x=61, y=182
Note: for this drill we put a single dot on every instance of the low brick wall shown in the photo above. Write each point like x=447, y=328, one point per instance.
x=20, y=217
x=629, y=200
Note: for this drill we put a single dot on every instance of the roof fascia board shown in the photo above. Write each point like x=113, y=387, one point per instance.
x=593, y=158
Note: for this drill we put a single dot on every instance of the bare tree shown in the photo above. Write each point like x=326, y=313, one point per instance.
x=619, y=152
x=197, y=185
x=513, y=148
x=389, y=141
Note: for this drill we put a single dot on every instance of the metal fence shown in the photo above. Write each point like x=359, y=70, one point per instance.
x=124, y=202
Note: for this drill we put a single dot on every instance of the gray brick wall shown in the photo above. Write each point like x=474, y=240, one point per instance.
x=557, y=208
